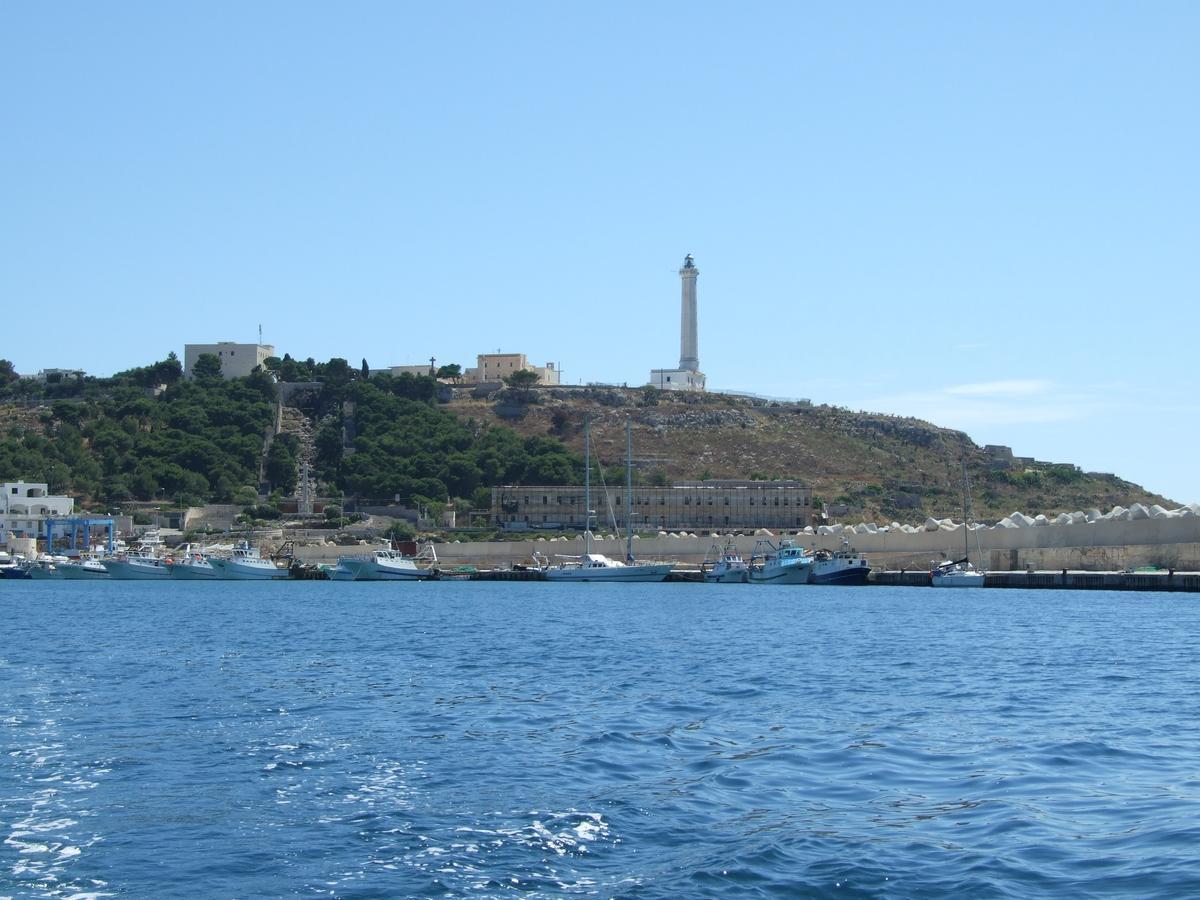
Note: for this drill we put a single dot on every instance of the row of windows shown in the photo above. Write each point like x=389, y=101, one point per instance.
x=800, y=523
x=662, y=501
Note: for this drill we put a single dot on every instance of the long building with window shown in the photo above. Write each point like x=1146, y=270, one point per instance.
x=709, y=505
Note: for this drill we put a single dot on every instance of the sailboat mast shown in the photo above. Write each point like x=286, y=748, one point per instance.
x=587, y=485
x=629, y=489
x=966, y=508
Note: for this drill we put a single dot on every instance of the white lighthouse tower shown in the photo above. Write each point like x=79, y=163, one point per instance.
x=688, y=376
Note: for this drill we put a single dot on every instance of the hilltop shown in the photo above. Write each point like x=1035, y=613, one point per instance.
x=878, y=466
x=148, y=435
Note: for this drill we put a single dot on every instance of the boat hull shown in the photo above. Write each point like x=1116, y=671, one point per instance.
x=649, y=572
x=841, y=575
x=369, y=571
x=125, y=570
x=82, y=573
x=958, y=580
x=192, y=571
x=727, y=576
x=233, y=570
x=793, y=574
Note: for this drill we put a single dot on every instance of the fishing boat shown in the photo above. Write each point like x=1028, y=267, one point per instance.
x=591, y=566
x=189, y=564
x=46, y=566
x=844, y=566
x=724, y=565
x=784, y=563
x=386, y=564
x=960, y=573
x=245, y=563
x=144, y=561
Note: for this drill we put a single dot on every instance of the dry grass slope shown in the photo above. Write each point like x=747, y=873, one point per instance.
x=877, y=466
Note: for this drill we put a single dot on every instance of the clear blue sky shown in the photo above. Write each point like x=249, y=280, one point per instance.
x=986, y=216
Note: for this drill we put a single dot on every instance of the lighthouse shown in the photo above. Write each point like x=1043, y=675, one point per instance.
x=687, y=377
x=689, y=350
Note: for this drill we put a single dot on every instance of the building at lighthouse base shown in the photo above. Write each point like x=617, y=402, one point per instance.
x=677, y=379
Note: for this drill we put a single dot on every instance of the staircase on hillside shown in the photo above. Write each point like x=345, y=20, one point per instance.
x=293, y=421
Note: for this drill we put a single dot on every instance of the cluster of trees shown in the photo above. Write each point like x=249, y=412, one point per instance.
x=143, y=434
x=148, y=434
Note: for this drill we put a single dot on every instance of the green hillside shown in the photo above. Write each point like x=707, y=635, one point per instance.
x=147, y=434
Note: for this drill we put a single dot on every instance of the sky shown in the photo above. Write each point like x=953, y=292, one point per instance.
x=983, y=215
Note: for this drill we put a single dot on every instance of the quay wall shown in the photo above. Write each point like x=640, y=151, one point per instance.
x=1098, y=546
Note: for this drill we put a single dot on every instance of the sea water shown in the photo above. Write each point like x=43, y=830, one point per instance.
x=477, y=739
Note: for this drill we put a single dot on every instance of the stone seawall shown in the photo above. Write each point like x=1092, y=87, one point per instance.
x=1097, y=546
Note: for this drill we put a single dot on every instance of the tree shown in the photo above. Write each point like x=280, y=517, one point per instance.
x=207, y=367
x=7, y=373
x=366, y=370
x=452, y=372
x=521, y=382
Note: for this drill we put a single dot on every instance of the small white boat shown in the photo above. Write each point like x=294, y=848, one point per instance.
x=782, y=564
x=86, y=567
x=844, y=566
x=957, y=573
x=246, y=564
x=724, y=566
x=960, y=573
x=598, y=567
x=385, y=564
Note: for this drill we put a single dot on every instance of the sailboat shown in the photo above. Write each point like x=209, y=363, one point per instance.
x=596, y=566
x=960, y=573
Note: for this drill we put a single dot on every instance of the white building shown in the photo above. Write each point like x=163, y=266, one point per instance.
x=492, y=367
x=237, y=360
x=25, y=508
x=687, y=377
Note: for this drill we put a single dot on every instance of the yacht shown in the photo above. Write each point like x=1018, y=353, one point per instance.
x=246, y=564
x=13, y=566
x=591, y=566
x=386, y=564
x=956, y=573
x=961, y=573
x=724, y=565
x=88, y=566
x=782, y=564
x=843, y=566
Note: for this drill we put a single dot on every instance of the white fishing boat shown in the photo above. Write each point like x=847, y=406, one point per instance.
x=144, y=561
x=784, y=563
x=189, y=564
x=724, y=565
x=844, y=566
x=590, y=566
x=386, y=564
x=245, y=563
x=960, y=573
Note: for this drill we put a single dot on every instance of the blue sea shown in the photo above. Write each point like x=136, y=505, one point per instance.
x=330, y=739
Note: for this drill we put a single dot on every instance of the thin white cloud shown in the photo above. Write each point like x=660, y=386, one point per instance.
x=1009, y=402
x=1012, y=388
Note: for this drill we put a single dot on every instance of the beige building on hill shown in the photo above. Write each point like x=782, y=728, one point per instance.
x=707, y=505
x=491, y=367
x=237, y=360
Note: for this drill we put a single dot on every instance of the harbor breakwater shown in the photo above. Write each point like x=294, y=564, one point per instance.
x=1099, y=546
